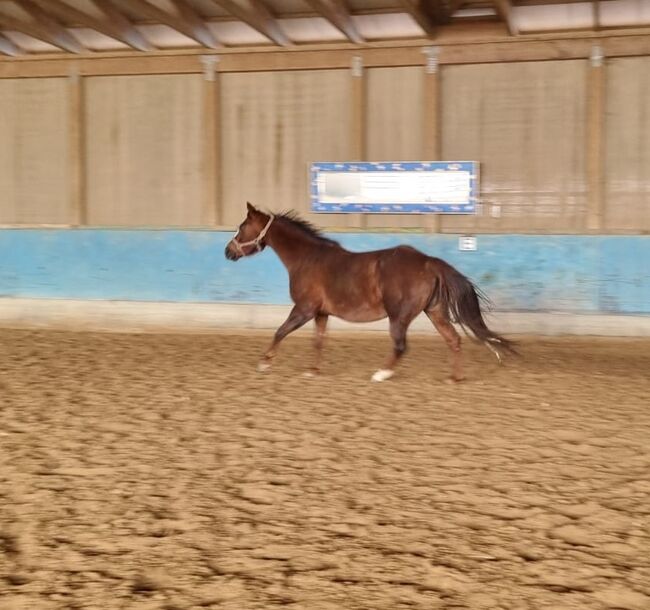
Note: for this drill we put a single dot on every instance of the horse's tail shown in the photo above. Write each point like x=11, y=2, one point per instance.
x=458, y=296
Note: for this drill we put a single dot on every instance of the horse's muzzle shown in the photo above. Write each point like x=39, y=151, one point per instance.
x=231, y=254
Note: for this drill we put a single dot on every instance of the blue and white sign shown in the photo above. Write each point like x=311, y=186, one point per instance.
x=424, y=187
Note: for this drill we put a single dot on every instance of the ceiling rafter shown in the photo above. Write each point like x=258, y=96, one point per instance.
x=200, y=26
x=187, y=22
x=504, y=10
x=429, y=14
x=257, y=16
x=58, y=22
x=338, y=14
x=78, y=17
x=60, y=35
x=7, y=47
x=41, y=27
x=455, y=5
x=119, y=23
x=32, y=30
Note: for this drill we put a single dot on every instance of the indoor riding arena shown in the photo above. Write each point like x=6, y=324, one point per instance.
x=151, y=458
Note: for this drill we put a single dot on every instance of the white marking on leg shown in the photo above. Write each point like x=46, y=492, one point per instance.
x=262, y=367
x=383, y=375
x=494, y=351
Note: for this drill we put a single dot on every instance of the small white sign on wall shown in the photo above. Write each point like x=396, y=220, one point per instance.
x=467, y=243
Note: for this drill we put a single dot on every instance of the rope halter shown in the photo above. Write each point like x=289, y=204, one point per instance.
x=253, y=242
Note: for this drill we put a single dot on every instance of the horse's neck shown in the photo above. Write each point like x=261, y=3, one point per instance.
x=290, y=244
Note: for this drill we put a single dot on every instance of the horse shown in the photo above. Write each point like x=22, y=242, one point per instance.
x=398, y=283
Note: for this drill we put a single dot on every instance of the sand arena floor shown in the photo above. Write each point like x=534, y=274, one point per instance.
x=162, y=472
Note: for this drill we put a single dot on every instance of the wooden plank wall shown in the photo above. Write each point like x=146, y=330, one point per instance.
x=564, y=143
x=627, y=145
x=34, y=151
x=272, y=125
x=525, y=122
x=394, y=125
x=143, y=150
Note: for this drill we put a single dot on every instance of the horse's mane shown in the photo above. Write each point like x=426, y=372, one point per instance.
x=305, y=226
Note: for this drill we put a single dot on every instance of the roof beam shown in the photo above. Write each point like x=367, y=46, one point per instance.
x=429, y=14
x=74, y=15
x=123, y=28
x=43, y=27
x=257, y=16
x=35, y=31
x=203, y=34
x=187, y=22
x=339, y=16
x=504, y=10
x=546, y=2
x=455, y=5
x=7, y=47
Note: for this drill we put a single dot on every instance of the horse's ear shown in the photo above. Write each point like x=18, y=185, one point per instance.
x=251, y=208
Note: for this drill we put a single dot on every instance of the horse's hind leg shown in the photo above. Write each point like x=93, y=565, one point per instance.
x=452, y=339
x=320, y=329
x=398, y=328
x=296, y=319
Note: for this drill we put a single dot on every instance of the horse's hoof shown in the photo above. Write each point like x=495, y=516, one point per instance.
x=382, y=375
x=452, y=380
x=310, y=374
x=263, y=367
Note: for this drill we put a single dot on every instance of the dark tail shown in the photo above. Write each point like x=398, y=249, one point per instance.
x=462, y=300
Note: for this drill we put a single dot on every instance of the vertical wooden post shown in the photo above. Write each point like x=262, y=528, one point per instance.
x=212, y=205
x=76, y=135
x=431, y=120
x=358, y=126
x=596, y=140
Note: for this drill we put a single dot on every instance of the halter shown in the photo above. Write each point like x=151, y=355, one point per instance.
x=253, y=242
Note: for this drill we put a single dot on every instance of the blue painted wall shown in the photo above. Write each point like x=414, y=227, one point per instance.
x=518, y=272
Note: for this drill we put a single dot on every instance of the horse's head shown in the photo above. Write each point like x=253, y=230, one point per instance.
x=251, y=234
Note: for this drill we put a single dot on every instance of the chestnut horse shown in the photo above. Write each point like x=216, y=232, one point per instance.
x=398, y=283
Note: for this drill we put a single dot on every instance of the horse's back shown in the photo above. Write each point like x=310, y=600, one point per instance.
x=402, y=259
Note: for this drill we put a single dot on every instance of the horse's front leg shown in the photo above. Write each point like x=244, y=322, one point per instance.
x=296, y=319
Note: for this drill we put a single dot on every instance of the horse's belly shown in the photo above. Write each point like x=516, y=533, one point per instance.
x=357, y=312
x=356, y=316
x=354, y=296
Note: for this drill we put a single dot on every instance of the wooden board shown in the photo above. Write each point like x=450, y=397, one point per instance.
x=34, y=151
x=273, y=125
x=525, y=124
x=394, y=125
x=144, y=150
x=627, y=156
